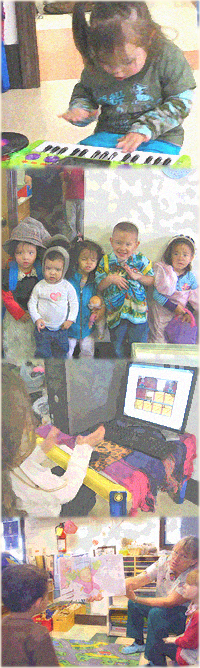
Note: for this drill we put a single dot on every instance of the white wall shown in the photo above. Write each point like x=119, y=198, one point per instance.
x=10, y=26
x=160, y=206
x=40, y=533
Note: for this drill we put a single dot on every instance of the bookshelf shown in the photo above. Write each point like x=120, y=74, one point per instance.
x=117, y=611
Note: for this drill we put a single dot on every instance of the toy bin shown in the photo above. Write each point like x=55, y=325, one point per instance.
x=41, y=619
x=63, y=620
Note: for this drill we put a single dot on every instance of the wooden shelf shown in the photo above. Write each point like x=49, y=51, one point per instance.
x=117, y=613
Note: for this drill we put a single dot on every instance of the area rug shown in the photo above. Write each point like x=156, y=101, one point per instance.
x=91, y=653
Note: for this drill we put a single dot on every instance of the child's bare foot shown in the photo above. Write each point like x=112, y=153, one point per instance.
x=92, y=439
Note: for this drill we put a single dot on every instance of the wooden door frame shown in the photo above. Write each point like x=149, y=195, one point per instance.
x=27, y=39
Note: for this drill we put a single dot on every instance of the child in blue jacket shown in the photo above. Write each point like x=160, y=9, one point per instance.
x=84, y=258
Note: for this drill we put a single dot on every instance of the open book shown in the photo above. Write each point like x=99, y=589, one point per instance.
x=81, y=576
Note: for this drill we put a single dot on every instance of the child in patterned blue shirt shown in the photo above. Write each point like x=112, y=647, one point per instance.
x=122, y=276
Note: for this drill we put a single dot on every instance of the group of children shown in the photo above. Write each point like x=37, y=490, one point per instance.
x=53, y=296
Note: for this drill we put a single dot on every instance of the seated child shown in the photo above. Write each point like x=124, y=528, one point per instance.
x=24, y=642
x=136, y=83
x=53, y=309
x=24, y=270
x=175, y=286
x=28, y=484
x=184, y=649
x=122, y=277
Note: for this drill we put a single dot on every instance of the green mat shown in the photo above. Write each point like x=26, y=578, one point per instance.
x=92, y=653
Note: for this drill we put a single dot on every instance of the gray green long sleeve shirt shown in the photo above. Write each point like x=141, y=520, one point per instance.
x=154, y=101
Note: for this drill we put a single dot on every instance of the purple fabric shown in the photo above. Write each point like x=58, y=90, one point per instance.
x=150, y=465
x=180, y=332
x=119, y=470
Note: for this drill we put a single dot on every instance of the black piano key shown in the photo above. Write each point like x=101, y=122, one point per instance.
x=95, y=155
x=167, y=161
x=55, y=149
x=126, y=157
x=62, y=150
x=135, y=158
x=113, y=155
x=157, y=161
x=75, y=152
x=47, y=148
x=104, y=155
x=148, y=160
x=82, y=153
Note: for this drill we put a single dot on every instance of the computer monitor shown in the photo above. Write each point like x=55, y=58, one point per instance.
x=159, y=395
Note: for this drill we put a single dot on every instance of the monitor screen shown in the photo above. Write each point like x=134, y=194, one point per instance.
x=159, y=395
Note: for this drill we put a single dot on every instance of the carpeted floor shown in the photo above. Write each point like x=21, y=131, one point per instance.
x=91, y=653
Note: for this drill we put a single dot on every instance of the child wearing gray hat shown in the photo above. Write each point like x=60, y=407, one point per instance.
x=23, y=271
x=53, y=305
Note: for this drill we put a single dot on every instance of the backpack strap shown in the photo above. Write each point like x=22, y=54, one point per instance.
x=106, y=264
x=13, y=275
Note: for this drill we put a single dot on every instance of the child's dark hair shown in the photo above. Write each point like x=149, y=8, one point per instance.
x=76, y=248
x=54, y=255
x=105, y=31
x=22, y=585
x=167, y=255
x=125, y=226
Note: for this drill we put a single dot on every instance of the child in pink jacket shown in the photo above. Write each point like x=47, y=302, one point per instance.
x=175, y=286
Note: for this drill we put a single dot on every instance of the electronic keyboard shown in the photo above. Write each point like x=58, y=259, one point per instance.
x=41, y=154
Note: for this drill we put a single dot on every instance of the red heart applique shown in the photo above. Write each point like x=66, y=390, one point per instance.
x=55, y=296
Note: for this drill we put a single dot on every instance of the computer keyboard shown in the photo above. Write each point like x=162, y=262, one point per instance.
x=143, y=438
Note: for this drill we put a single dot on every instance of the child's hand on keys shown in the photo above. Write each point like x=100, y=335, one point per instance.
x=131, y=141
x=77, y=115
x=119, y=280
x=40, y=324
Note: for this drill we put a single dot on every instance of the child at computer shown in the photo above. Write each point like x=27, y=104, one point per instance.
x=24, y=593
x=84, y=257
x=122, y=277
x=24, y=269
x=28, y=484
x=175, y=287
x=184, y=650
x=53, y=305
x=136, y=83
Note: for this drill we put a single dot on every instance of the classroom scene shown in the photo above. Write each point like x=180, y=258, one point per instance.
x=99, y=374
x=129, y=598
